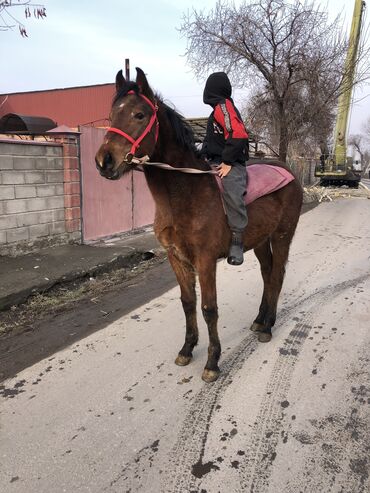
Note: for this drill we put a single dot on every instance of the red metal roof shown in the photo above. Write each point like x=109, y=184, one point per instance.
x=71, y=106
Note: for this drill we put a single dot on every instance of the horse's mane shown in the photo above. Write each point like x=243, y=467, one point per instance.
x=184, y=135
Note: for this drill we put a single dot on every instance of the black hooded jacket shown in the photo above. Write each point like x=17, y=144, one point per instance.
x=226, y=139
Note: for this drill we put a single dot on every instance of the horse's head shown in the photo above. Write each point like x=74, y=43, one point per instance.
x=134, y=127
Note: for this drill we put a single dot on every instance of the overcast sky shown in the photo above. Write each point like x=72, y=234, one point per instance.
x=85, y=42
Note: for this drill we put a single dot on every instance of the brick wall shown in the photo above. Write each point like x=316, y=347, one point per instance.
x=72, y=190
x=39, y=194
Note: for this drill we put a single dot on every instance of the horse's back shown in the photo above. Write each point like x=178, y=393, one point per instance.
x=280, y=184
x=270, y=162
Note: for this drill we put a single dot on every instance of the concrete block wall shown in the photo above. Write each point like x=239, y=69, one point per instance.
x=33, y=204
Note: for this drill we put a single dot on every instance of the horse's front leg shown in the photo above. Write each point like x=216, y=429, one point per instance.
x=207, y=281
x=186, y=278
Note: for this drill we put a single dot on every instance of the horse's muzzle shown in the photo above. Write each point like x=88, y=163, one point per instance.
x=110, y=176
x=106, y=166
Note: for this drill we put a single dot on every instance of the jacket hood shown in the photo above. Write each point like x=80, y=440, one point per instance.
x=217, y=89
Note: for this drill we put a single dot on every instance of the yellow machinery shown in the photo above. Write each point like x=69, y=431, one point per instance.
x=336, y=168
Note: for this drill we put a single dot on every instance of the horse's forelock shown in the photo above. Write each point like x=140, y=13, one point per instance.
x=128, y=86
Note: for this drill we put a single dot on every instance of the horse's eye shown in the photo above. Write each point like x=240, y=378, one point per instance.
x=139, y=116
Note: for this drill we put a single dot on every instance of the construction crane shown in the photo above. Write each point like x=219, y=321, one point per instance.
x=336, y=168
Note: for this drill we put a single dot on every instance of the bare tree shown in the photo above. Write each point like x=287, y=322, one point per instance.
x=366, y=130
x=288, y=53
x=310, y=120
x=9, y=20
x=360, y=145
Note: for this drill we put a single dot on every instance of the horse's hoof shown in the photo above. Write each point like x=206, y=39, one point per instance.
x=264, y=337
x=210, y=375
x=255, y=327
x=182, y=360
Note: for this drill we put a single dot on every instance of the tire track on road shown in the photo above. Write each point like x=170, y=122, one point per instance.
x=266, y=433
x=186, y=465
x=186, y=468
x=256, y=469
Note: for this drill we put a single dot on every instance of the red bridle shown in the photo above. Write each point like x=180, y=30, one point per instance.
x=136, y=143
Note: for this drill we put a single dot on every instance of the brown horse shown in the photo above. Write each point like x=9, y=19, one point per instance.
x=190, y=221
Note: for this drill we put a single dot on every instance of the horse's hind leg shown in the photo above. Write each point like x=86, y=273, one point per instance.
x=280, y=243
x=207, y=281
x=186, y=278
x=264, y=256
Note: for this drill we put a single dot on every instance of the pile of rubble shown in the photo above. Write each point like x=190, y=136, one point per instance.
x=315, y=193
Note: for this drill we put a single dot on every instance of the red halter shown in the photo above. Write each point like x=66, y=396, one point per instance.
x=135, y=143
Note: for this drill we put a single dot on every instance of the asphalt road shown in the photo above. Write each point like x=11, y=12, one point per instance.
x=112, y=413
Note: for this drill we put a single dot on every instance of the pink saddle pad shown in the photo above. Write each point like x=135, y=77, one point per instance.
x=264, y=179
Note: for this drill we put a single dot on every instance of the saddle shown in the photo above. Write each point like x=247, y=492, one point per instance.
x=262, y=180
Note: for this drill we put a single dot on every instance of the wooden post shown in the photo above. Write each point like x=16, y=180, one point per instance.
x=127, y=69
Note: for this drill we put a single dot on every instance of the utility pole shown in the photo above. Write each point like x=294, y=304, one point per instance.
x=127, y=69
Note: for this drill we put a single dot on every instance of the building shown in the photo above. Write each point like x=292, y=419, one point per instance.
x=74, y=106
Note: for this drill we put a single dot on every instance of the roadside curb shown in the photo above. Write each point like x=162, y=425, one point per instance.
x=39, y=272
x=121, y=261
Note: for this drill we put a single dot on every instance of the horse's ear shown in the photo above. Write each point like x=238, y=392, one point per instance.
x=120, y=80
x=142, y=82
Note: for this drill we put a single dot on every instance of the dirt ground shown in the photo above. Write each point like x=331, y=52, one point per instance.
x=49, y=322
x=68, y=295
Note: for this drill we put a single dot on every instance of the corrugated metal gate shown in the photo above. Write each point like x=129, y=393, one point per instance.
x=110, y=207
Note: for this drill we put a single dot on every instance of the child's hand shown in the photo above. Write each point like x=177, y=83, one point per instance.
x=223, y=170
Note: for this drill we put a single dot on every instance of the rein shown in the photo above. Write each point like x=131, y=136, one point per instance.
x=144, y=161
x=192, y=171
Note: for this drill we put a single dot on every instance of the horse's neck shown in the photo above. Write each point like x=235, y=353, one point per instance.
x=176, y=157
x=176, y=193
x=166, y=185
x=173, y=191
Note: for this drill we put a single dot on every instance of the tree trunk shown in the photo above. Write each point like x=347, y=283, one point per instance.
x=283, y=137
